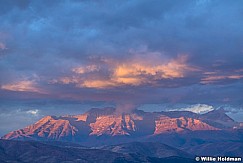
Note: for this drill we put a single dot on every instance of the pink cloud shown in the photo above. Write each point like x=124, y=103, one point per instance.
x=22, y=86
x=216, y=78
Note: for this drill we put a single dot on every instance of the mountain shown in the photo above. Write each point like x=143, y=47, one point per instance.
x=227, y=148
x=219, y=118
x=97, y=124
x=29, y=152
x=106, y=135
x=50, y=127
x=37, y=152
x=151, y=149
x=186, y=140
x=167, y=124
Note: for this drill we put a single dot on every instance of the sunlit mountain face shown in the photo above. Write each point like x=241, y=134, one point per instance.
x=107, y=122
x=169, y=72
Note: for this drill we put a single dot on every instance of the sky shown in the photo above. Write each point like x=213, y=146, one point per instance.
x=66, y=56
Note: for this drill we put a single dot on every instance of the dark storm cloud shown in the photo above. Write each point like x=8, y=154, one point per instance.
x=44, y=42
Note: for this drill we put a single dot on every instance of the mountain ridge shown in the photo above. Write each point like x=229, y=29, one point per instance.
x=107, y=122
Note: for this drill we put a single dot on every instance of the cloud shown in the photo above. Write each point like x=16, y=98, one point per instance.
x=221, y=77
x=215, y=79
x=147, y=70
x=148, y=52
x=197, y=108
x=87, y=69
x=22, y=86
x=134, y=71
x=33, y=112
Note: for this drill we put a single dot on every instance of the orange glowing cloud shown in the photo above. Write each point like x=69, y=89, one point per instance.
x=151, y=71
x=98, y=84
x=142, y=71
x=134, y=72
x=22, y=86
x=216, y=78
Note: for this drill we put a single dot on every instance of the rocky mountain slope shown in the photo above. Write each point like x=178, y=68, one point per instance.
x=108, y=122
